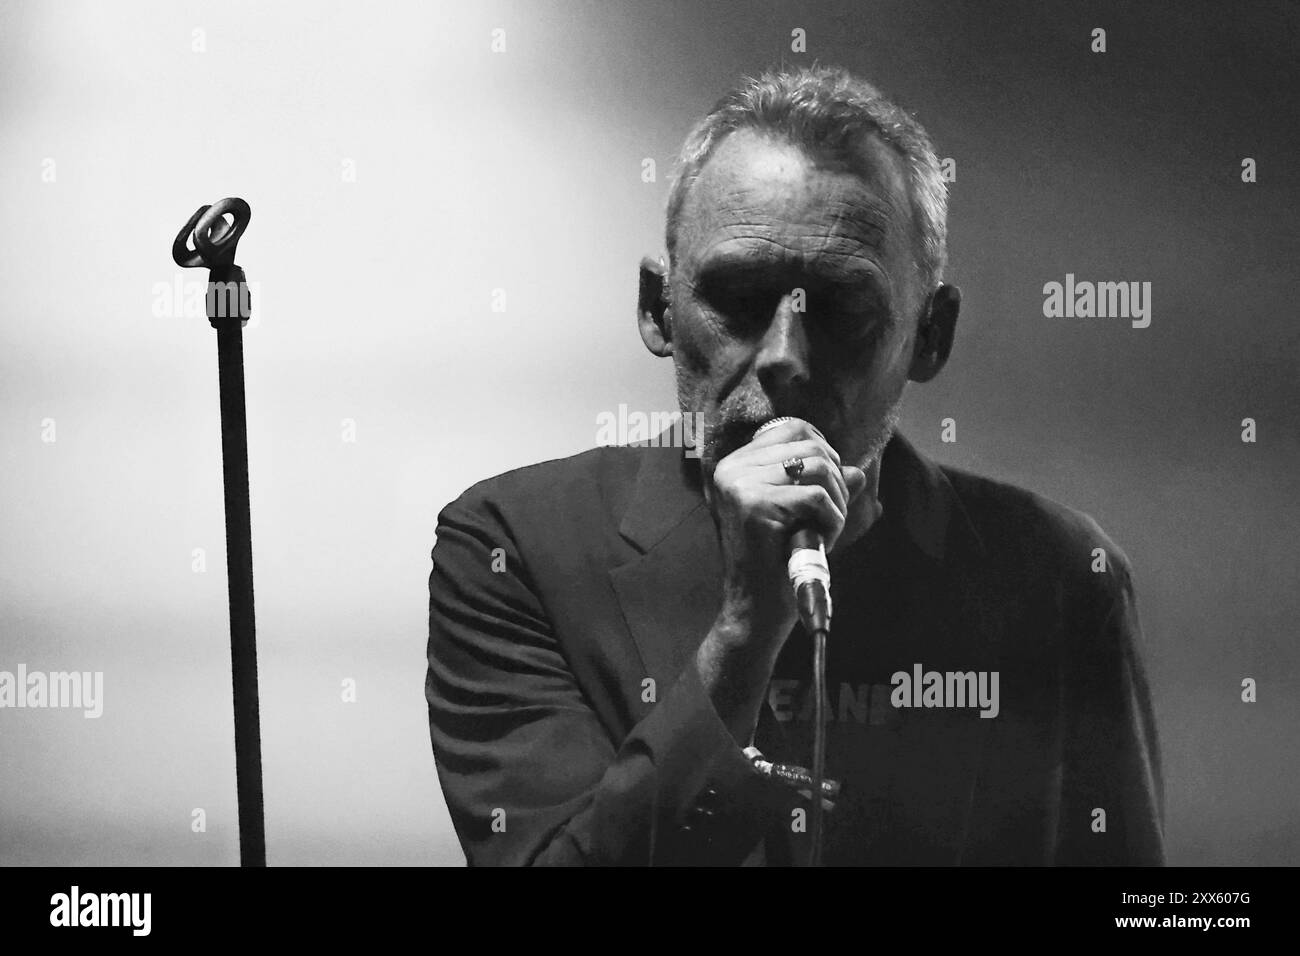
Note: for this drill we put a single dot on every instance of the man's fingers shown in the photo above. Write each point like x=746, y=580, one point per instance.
x=855, y=478
x=819, y=494
x=803, y=448
x=816, y=471
x=812, y=506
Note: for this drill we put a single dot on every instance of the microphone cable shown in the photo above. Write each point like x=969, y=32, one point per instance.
x=819, y=744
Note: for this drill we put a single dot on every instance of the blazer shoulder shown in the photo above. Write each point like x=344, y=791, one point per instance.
x=553, y=488
x=1038, y=534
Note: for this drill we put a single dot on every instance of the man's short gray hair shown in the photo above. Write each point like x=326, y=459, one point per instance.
x=823, y=108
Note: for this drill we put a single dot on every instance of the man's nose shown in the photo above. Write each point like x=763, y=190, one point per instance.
x=782, y=361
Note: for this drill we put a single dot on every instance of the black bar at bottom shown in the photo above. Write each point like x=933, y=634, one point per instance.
x=977, y=908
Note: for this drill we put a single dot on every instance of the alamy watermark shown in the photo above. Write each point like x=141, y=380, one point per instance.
x=1101, y=300
x=659, y=429
x=946, y=689
x=196, y=299
x=67, y=689
x=878, y=704
x=76, y=908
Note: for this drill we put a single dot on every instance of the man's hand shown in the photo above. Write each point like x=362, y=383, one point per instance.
x=757, y=507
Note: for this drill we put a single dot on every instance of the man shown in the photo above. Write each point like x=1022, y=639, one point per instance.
x=610, y=631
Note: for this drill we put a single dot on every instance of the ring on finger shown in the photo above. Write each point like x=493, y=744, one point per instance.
x=794, y=468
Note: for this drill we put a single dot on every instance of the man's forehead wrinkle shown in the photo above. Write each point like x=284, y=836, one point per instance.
x=830, y=256
x=772, y=202
x=762, y=237
x=812, y=208
x=853, y=222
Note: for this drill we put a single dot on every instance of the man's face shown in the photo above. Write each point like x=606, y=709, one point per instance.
x=763, y=221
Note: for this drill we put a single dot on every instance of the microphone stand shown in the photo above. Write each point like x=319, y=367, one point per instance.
x=214, y=246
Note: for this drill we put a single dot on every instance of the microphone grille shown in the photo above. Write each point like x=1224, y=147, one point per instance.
x=770, y=424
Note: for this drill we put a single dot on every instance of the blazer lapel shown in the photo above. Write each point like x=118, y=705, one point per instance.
x=670, y=594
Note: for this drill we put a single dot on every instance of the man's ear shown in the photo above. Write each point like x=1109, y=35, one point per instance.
x=654, y=317
x=934, y=333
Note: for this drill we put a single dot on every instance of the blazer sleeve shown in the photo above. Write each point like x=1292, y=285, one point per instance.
x=1111, y=747
x=530, y=774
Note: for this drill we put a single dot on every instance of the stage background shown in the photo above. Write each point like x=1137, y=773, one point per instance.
x=521, y=171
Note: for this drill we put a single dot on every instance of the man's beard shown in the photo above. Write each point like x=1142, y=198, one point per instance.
x=880, y=435
x=733, y=426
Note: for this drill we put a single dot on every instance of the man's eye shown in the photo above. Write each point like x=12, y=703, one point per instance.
x=752, y=306
x=849, y=325
x=743, y=307
x=852, y=320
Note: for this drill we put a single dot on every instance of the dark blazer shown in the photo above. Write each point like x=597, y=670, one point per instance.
x=568, y=726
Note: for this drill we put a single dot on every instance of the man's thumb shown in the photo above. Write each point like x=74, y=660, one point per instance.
x=855, y=478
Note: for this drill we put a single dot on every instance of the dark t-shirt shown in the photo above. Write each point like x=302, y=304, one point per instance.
x=869, y=642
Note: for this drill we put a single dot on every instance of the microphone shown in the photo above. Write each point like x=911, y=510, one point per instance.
x=810, y=576
x=807, y=569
